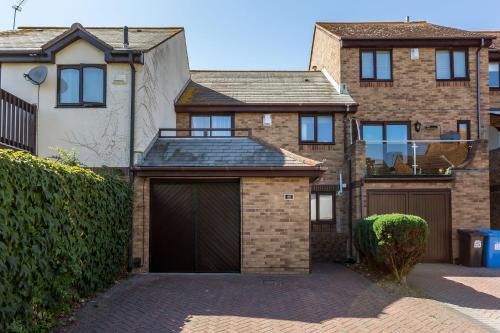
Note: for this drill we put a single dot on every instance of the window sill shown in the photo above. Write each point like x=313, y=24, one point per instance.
x=316, y=146
x=99, y=106
x=376, y=83
x=323, y=226
x=495, y=89
x=452, y=83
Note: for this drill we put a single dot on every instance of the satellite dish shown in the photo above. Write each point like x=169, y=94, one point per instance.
x=37, y=75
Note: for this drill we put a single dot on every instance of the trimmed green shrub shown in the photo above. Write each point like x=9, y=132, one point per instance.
x=394, y=242
x=64, y=232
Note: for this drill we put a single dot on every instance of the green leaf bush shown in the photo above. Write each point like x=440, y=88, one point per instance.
x=391, y=242
x=64, y=232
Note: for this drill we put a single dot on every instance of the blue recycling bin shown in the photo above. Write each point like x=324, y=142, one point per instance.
x=491, y=249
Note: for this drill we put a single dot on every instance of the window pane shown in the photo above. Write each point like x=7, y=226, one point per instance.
x=374, y=150
x=325, y=207
x=69, y=86
x=459, y=68
x=307, y=128
x=383, y=65
x=396, y=151
x=396, y=132
x=93, y=85
x=494, y=72
x=325, y=129
x=313, y=206
x=373, y=132
x=463, y=130
x=367, y=70
x=221, y=122
x=200, y=122
x=443, y=70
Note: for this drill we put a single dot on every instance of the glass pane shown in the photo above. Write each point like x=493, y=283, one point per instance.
x=463, y=130
x=69, y=86
x=93, y=85
x=200, y=122
x=396, y=153
x=313, y=206
x=383, y=65
x=221, y=122
x=325, y=129
x=325, y=207
x=373, y=132
x=459, y=68
x=307, y=128
x=443, y=70
x=494, y=72
x=367, y=70
x=374, y=150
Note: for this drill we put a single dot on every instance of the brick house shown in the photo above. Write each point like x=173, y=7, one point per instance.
x=267, y=171
x=494, y=129
x=421, y=89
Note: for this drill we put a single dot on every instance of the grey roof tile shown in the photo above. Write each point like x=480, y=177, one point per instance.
x=216, y=152
x=260, y=87
x=33, y=38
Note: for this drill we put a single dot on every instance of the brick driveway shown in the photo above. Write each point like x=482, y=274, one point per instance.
x=474, y=292
x=332, y=299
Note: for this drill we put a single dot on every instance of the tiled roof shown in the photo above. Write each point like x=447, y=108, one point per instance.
x=218, y=152
x=398, y=30
x=34, y=38
x=496, y=42
x=260, y=87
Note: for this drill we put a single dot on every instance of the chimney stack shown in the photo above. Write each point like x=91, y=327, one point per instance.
x=407, y=19
x=125, y=37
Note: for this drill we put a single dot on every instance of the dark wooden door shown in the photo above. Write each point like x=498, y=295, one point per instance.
x=431, y=205
x=195, y=227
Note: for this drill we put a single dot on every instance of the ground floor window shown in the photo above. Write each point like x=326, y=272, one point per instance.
x=323, y=211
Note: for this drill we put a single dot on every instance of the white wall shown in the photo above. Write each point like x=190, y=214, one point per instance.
x=101, y=135
x=162, y=78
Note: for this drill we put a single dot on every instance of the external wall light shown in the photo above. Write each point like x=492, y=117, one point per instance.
x=418, y=126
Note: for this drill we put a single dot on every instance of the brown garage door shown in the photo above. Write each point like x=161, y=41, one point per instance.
x=432, y=205
x=195, y=227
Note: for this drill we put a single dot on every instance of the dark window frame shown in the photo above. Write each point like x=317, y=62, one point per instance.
x=384, y=127
x=374, y=53
x=211, y=114
x=498, y=87
x=451, y=51
x=466, y=122
x=334, y=209
x=81, y=103
x=315, y=140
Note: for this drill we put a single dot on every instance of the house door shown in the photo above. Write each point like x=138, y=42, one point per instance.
x=195, y=227
x=432, y=205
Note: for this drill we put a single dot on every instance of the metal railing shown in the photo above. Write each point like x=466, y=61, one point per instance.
x=17, y=123
x=203, y=132
x=415, y=157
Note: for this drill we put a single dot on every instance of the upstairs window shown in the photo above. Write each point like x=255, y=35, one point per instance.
x=452, y=64
x=316, y=129
x=81, y=85
x=376, y=65
x=494, y=74
x=211, y=121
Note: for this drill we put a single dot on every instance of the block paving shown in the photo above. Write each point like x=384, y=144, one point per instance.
x=331, y=299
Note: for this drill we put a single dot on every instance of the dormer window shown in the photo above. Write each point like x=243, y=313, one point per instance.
x=452, y=64
x=81, y=86
x=376, y=65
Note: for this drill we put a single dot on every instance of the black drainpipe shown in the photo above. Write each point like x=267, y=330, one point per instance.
x=478, y=89
x=132, y=132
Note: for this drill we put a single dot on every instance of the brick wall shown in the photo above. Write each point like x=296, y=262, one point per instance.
x=140, y=224
x=495, y=98
x=275, y=232
x=414, y=93
x=495, y=188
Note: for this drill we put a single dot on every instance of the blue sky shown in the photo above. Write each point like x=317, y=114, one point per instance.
x=249, y=34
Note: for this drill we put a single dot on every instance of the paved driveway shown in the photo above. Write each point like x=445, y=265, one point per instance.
x=332, y=299
x=475, y=292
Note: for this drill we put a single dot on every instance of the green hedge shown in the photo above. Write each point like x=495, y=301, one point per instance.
x=394, y=242
x=64, y=232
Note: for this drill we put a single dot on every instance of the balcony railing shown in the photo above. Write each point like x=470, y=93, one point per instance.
x=17, y=123
x=415, y=157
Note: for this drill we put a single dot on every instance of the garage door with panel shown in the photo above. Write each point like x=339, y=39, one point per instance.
x=433, y=206
x=195, y=227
